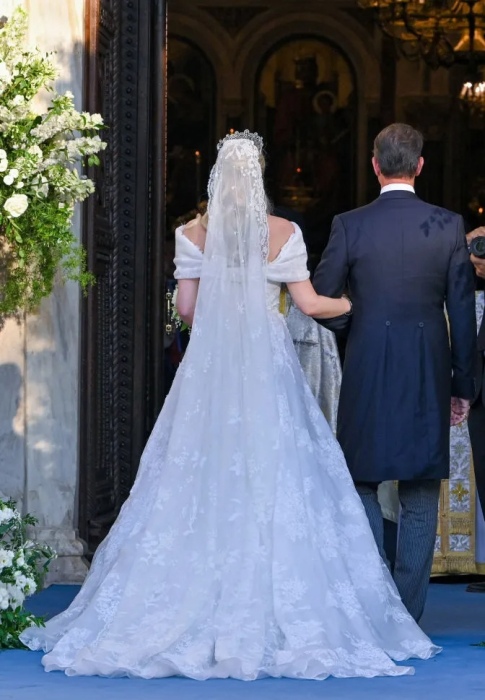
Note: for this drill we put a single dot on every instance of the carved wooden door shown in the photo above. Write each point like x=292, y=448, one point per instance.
x=122, y=317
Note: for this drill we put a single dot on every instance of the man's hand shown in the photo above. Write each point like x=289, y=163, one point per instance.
x=480, y=231
x=478, y=263
x=459, y=410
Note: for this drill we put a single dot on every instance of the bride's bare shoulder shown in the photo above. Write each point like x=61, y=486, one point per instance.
x=279, y=225
x=196, y=230
x=280, y=231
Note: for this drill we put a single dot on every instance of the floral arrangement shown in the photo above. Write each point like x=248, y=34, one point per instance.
x=39, y=179
x=23, y=565
x=173, y=314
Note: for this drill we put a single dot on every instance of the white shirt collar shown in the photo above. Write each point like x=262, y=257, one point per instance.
x=397, y=186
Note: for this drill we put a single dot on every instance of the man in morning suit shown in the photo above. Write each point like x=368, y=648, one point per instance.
x=403, y=260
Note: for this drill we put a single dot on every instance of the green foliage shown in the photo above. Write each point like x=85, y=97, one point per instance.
x=13, y=623
x=39, y=181
x=23, y=566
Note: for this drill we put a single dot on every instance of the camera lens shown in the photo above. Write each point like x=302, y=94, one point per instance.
x=477, y=247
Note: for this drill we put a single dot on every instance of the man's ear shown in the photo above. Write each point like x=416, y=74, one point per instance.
x=376, y=167
x=420, y=166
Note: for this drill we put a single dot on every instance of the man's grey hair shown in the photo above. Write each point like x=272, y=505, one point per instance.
x=397, y=150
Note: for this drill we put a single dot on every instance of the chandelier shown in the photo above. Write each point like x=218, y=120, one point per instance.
x=441, y=32
x=473, y=94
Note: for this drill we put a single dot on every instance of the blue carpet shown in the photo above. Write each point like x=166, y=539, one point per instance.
x=454, y=619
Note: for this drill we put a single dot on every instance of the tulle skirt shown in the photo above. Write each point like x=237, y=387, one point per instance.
x=235, y=557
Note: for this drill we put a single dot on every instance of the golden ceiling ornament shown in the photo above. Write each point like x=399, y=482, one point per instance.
x=441, y=32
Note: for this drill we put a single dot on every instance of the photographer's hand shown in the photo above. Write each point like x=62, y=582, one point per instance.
x=479, y=265
x=480, y=231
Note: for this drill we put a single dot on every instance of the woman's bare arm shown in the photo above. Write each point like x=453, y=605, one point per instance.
x=312, y=304
x=186, y=298
x=195, y=231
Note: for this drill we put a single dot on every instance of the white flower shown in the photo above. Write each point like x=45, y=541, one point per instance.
x=30, y=586
x=16, y=205
x=5, y=75
x=18, y=100
x=19, y=185
x=34, y=151
x=93, y=119
x=16, y=595
x=6, y=513
x=3, y=154
x=69, y=94
x=20, y=560
x=3, y=164
x=4, y=598
x=11, y=176
x=73, y=151
x=6, y=558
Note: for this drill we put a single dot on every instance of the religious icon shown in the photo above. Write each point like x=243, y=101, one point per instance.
x=306, y=112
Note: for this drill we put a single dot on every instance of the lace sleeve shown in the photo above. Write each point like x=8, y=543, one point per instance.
x=291, y=263
x=188, y=257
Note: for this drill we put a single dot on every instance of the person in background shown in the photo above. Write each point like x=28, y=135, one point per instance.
x=476, y=418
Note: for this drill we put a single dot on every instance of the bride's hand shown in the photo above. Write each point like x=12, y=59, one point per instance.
x=348, y=303
x=312, y=304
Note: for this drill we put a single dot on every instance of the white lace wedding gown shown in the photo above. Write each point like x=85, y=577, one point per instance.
x=195, y=579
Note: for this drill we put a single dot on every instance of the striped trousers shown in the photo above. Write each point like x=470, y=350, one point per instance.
x=419, y=501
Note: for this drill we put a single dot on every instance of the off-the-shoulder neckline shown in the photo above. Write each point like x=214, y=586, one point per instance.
x=180, y=231
x=297, y=230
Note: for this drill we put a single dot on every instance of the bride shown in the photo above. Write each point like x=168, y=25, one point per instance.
x=243, y=550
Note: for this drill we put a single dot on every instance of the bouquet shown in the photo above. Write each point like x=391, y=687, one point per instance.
x=23, y=565
x=173, y=317
x=39, y=179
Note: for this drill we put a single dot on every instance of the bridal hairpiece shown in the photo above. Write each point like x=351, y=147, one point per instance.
x=247, y=135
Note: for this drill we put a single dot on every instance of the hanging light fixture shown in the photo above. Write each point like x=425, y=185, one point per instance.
x=442, y=33
x=473, y=94
x=439, y=31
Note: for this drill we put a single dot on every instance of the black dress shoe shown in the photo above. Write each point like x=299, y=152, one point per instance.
x=478, y=587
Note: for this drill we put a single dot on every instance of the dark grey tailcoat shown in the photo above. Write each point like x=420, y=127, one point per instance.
x=402, y=260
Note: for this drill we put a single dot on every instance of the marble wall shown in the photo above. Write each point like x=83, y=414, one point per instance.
x=39, y=357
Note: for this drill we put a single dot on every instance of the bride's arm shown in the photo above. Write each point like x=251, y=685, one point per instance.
x=312, y=304
x=188, y=288
x=186, y=297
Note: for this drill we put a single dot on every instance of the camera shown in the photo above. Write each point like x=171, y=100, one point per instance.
x=477, y=247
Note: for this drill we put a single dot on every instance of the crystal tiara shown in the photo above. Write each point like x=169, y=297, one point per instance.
x=246, y=134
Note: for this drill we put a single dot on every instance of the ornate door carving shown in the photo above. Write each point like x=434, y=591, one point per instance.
x=122, y=319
